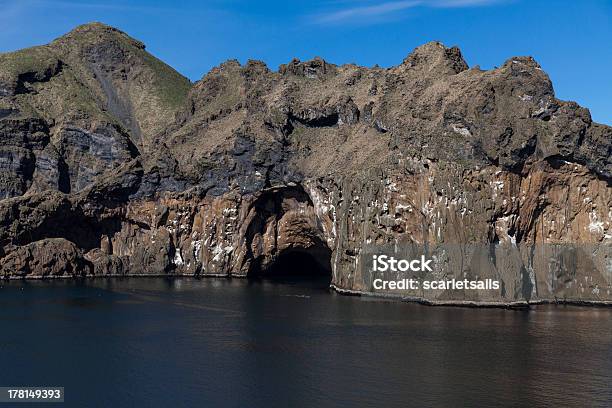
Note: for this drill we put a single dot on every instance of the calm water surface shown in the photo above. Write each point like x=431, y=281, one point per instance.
x=237, y=343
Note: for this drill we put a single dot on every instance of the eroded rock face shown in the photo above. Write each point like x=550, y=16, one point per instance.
x=546, y=233
x=314, y=159
x=55, y=257
x=231, y=235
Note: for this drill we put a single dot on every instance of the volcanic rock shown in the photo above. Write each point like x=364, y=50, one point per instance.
x=113, y=163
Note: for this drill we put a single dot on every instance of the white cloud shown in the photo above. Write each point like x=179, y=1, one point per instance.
x=461, y=3
x=388, y=10
x=356, y=13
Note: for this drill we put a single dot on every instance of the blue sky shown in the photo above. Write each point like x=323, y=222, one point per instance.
x=572, y=40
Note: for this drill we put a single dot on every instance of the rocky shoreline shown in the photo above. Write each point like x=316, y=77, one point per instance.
x=459, y=303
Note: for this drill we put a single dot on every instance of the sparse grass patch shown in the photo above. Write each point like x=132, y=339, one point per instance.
x=171, y=86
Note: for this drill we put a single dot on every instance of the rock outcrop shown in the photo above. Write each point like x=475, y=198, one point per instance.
x=46, y=258
x=112, y=163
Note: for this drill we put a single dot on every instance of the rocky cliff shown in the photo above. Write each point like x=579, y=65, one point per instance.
x=112, y=163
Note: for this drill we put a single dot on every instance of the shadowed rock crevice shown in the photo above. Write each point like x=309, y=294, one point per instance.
x=326, y=119
x=27, y=79
x=71, y=224
x=63, y=179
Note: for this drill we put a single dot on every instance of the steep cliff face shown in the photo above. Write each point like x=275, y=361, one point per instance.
x=113, y=164
x=78, y=107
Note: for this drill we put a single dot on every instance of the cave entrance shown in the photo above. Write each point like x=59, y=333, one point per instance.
x=299, y=264
x=285, y=239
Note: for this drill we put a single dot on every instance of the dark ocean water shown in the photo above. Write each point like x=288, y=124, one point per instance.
x=237, y=343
